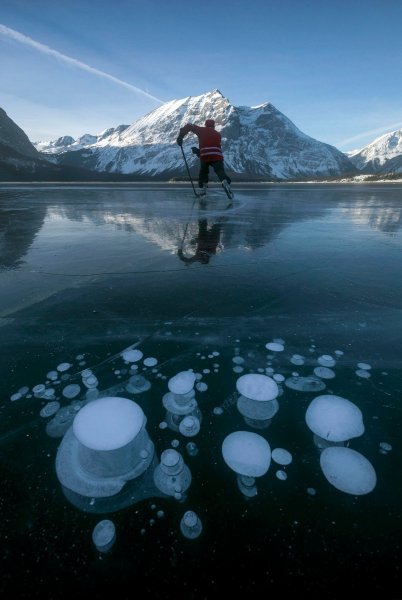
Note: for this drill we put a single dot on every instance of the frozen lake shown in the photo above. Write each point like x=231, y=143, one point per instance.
x=88, y=272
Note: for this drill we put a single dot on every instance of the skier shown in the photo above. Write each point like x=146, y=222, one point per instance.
x=210, y=153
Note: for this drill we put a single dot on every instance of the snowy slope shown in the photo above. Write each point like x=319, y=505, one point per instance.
x=383, y=155
x=257, y=142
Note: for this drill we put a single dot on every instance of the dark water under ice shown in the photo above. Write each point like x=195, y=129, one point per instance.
x=93, y=270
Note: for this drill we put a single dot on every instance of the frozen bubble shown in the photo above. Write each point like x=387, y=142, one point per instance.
x=16, y=396
x=201, y=387
x=104, y=535
x=238, y=360
x=92, y=394
x=50, y=409
x=63, y=367
x=281, y=475
x=71, y=391
x=257, y=387
x=49, y=393
x=160, y=514
x=311, y=491
x=334, y=418
x=23, y=390
x=80, y=357
x=247, y=453
x=182, y=383
x=338, y=352
x=90, y=382
x=385, y=446
x=269, y=371
x=326, y=360
x=275, y=346
x=218, y=410
x=238, y=369
x=132, y=355
x=189, y=426
x=163, y=425
x=190, y=525
x=324, y=373
x=305, y=384
x=278, y=377
x=144, y=454
x=281, y=456
x=175, y=443
x=52, y=375
x=39, y=389
x=363, y=374
x=364, y=366
x=206, y=371
x=137, y=384
x=192, y=448
x=348, y=470
x=150, y=361
x=215, y=353
x=297, y=359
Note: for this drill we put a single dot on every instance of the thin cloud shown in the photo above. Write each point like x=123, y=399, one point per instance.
x=371, y=132
x=27, y=41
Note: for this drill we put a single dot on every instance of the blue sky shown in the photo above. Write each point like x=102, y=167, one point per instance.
x=78, y=66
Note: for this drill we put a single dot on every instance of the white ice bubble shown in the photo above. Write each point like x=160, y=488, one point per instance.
x=104, y=535
x=281, y=475
x=39, y=389
x=238, y=369
x=108, y=423
x=278, y=377
x=275, y=346
x=50, y=409
x=257, y=387
x=364, y=366
x=63, y=367
x=52, y=375
x=190, y=525
x=281, y=456
x=348, y=470
x=71, y=391
x=324, y=373
x=163, y=425
x=334, y=418
x=16, y=396
x=363, y=373
x=385, y=446
x=137, y=384
x=189, y=426
x=201, y=386
x=247, y=453
x=150, y=361
x=182, y=383
x=218, y=410
x=305, y=384
x=297, y=359
x=311, y=491
x=238, y=360
x=326, y=360
x=132, y=355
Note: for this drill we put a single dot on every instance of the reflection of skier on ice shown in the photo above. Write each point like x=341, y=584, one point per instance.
x=207, y=243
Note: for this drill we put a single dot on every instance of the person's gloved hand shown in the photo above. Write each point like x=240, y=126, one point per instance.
x=179, y=141
x=195, y=150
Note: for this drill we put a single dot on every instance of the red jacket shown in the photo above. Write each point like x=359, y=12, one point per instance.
x=209, y=140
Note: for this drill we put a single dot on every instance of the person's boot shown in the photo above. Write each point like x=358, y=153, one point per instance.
x=203, y=190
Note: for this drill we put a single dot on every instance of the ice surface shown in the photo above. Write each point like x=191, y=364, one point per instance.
x=334, y=418
x=108, y=423
x=247, y=453
x=348, y=470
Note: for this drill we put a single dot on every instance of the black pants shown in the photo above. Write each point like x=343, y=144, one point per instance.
x=217, y=166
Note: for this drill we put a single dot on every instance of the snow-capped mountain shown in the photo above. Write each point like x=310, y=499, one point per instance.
x=383, y=155
x=66, y=143
x=258, y=142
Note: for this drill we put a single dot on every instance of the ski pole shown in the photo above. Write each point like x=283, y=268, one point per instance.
x=188, y=171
